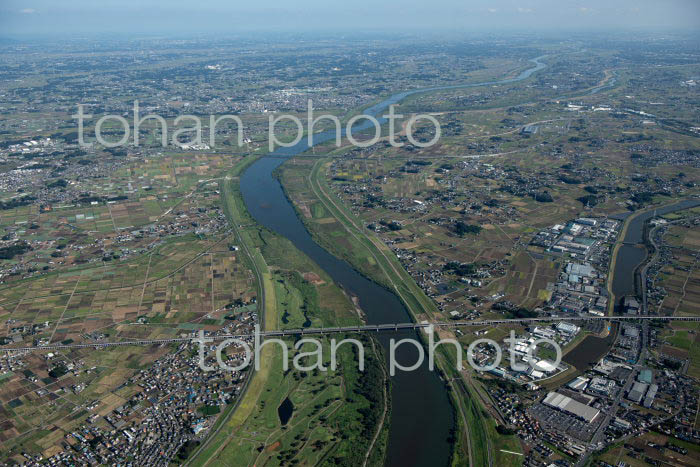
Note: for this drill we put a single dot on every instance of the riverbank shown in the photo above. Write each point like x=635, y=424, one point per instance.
x=630, y=251
x=421, y=416
x=323, y=399
x=305, y=181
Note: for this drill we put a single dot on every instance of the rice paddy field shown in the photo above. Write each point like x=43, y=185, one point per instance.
x=157, y=261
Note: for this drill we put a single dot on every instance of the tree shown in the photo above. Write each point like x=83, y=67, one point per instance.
x=462, y=228
x=544, y=197
x=588, y=200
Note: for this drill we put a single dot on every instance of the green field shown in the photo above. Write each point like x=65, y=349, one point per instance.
x=336, y=412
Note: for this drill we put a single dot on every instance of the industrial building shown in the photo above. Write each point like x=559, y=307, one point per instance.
x=651, y=394
x=637, y=392
x=570, y=406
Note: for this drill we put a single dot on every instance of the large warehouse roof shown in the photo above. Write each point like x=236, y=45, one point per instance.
x=567, y=404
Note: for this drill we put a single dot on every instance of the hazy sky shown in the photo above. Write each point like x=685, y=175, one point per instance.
x=194, y=16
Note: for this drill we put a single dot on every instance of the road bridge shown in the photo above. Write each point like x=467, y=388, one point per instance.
x=355, y=329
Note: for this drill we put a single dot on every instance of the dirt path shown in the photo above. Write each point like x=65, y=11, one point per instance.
x=380, y=425
x=64, y=309
x=145, y=282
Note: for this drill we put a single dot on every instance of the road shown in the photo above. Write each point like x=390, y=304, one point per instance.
x=610, y=413
x=225, y=186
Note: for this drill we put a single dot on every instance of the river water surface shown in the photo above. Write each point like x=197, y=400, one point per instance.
x=629, y=256
x=632, y=252
x=421, y=413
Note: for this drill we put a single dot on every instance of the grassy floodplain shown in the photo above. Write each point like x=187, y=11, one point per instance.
x=336, y=413
x=373, y=258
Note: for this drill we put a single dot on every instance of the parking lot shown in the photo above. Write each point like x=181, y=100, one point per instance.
x=564, y=422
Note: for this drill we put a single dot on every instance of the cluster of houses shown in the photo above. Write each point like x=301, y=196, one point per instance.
x=175, y=401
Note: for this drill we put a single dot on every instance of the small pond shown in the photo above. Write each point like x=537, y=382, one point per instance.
x=285, y=411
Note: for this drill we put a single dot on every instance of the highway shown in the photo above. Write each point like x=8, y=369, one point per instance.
x=354, y=329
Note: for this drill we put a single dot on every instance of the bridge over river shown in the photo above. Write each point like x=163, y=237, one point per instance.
x=355, y=329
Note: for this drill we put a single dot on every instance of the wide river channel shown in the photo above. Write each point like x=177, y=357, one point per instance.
x=421, y=413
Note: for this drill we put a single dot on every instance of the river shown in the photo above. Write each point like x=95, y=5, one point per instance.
x=632, y=252
x=421, y=413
